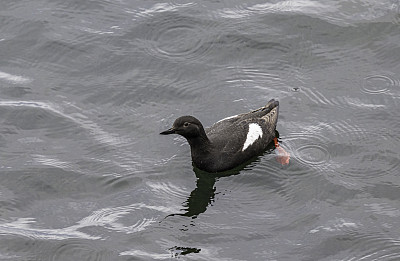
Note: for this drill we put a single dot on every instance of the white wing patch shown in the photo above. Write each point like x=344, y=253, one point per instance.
x=255, y=132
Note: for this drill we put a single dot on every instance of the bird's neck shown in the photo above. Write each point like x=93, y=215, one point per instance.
x=201, y=150
x=200, y=145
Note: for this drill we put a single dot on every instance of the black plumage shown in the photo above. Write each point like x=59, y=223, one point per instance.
x=231, y=141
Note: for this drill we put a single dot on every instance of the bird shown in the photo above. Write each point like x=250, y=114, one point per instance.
x=231, y=141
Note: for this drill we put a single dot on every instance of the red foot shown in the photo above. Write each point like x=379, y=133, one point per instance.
x=276, y=142
x=283, y=156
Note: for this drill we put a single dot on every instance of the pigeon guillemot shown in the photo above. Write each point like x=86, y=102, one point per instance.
x=230, y=141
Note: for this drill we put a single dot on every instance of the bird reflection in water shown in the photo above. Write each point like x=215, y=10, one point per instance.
x=204, y=193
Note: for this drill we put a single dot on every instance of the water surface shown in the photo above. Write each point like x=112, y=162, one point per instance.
x=86, y=86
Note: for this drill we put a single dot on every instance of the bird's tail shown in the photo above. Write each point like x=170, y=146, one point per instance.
x=271, y=111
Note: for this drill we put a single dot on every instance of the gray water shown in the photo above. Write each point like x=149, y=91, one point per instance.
x=86, y=86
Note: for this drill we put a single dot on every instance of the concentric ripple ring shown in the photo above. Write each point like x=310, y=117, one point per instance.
x=178, y=37
x=376, y=84
x=313, y=154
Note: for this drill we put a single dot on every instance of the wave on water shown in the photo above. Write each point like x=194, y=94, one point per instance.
x=99, y=134
x=245, y=10
x=25, y=227
x=109, y=218
x=335, y=12
x=15, y=79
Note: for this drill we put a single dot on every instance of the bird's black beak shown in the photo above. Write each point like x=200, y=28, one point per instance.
x=169, y=131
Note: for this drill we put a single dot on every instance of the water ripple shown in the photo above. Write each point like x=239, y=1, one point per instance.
x=347, y=131
x=373, y=166
x=245, y=10
x=166, y=190
x=23, y=227
x=383, y=208
x=177, y=37
x=98, y=133
x=108, y=217
x=257, y=77
x=338, y=224
x=377, y=84
x=374, y=247
x=75, y=249
x=52, y=161
x=357, y=238
x=317, y=97
x=358, y=165
x=158, y=8
x=313, y=154
x=145, y=255
x=309, y=148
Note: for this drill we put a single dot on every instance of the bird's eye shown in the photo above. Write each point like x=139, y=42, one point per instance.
x=186, y=124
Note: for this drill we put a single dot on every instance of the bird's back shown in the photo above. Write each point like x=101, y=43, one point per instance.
x=238, y=138
x=266, y=117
